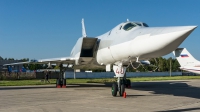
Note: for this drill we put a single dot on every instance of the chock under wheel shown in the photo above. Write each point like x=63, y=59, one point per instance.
x=124, y=94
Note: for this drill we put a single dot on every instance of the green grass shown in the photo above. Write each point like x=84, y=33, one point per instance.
x=76, y=81
x=22, y=82
x=164, y=78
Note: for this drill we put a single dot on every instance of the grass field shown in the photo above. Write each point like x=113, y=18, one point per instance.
x=76, y=81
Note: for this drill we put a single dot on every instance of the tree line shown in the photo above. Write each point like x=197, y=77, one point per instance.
x=157, y=65
x=160, y=65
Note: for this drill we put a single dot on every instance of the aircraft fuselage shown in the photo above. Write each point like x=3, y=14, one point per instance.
x=143, y=42
x=132, y=41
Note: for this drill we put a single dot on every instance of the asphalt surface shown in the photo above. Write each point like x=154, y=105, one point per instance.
x=157, y=96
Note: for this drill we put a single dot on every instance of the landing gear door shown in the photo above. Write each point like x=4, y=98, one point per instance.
x=119, y=71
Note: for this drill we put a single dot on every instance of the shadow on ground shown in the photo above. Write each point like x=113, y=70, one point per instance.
x=26, y=87
x=175, y=88
x=182, y=110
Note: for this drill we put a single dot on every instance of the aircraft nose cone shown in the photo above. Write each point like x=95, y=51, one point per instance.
x=184, y=29
x=167, y=30
x=162, y=40
x=190, y=27
x=171, y=37
x=176, y=34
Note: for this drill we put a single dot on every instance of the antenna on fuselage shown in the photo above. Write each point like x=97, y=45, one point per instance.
x=127, y=20
x=83, y=29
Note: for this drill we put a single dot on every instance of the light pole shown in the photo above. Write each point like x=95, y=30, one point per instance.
x=170, y=71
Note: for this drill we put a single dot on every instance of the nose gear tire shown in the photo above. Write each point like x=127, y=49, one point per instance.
x=114, y=89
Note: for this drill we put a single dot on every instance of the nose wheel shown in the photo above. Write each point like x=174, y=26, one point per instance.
x=114, y=89
x=120, y=74
x=120, y=87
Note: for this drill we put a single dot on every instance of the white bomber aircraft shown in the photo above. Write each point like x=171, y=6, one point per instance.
x=127, y=43
x=187, y=61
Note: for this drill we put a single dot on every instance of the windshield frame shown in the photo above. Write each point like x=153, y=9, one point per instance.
x=129, y=27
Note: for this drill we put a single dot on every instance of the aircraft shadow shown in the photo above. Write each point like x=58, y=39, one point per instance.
x=175, y=88
x=27, y=87
x=181, y=110
x=53, y=86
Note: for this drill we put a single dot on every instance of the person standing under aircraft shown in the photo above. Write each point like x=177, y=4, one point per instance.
x=47, y=76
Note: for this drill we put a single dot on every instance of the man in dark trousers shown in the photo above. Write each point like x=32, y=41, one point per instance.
x=47, y=76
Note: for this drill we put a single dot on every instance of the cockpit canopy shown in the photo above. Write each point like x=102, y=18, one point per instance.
x=128, y=26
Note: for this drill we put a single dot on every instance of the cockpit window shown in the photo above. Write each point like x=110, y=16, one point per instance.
x=128, y=26
x=139, y=24
x=144, y=24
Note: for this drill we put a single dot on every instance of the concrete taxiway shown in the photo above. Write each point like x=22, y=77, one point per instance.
x=156, y=96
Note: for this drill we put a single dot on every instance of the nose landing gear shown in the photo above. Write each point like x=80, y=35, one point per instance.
x=121, y=83
x=120, y=87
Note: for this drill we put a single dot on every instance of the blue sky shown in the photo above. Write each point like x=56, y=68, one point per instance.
x=39, y=29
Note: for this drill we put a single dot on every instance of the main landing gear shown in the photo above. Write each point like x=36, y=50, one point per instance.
x=61, y=81
x=121, y=83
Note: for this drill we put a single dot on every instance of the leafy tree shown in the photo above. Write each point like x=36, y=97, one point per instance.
x=35, y=66
x=56, y=67
x=175, y=66
x=11, y=59
x=1, y=58
x=24, y=59
x=163, y=65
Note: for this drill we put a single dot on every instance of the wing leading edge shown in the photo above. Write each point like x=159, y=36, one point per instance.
x=63, y=60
